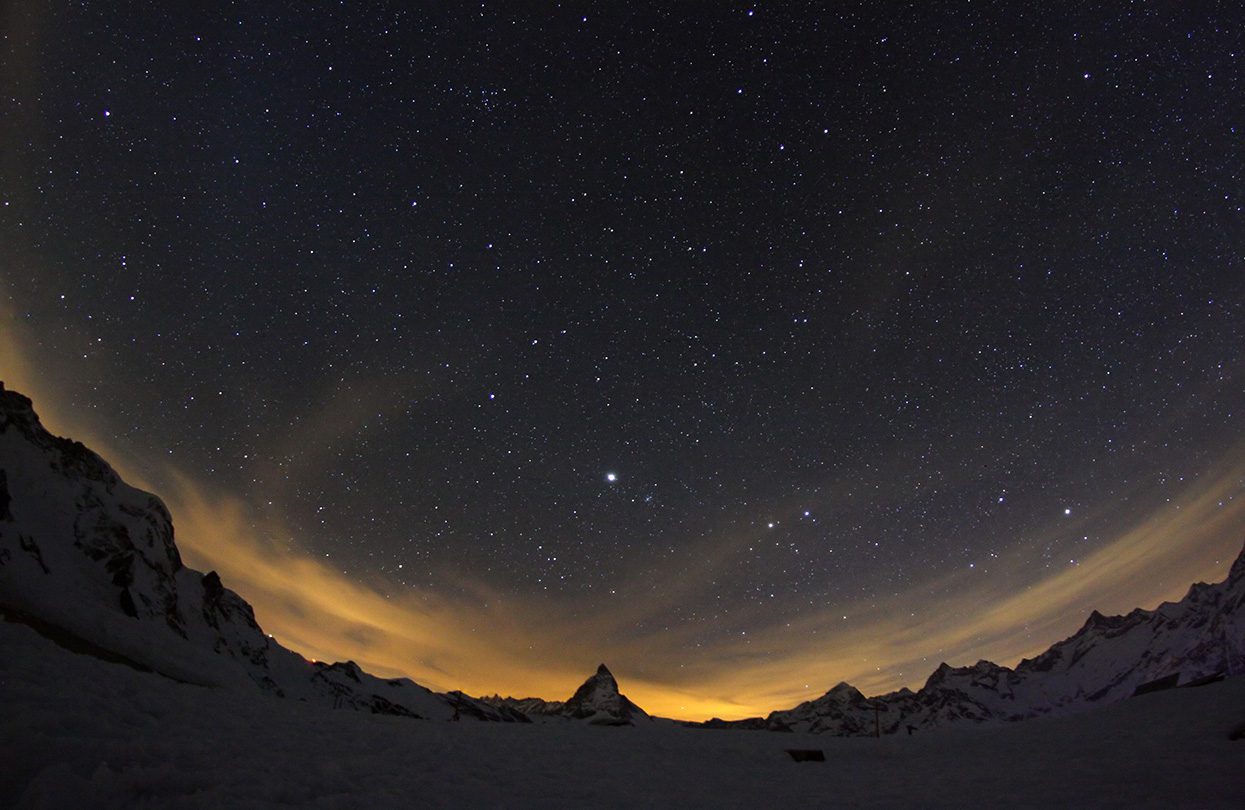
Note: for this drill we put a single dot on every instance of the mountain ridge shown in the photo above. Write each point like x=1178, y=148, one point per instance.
x=86, y=556
x=92, y=562
x=597, y=701
x=1194, y=640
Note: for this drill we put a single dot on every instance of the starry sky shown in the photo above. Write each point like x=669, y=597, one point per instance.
x=746, y=348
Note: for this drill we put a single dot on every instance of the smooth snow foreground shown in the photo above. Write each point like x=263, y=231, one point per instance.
x=79, y=732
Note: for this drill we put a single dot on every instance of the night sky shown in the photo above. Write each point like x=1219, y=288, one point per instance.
x=744, y=348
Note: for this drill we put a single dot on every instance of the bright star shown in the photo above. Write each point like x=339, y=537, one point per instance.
x=611, y=477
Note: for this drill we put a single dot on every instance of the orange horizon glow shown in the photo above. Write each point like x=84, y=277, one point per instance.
x=471, y=635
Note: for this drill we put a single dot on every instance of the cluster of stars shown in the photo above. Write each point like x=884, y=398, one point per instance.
x=778, y=299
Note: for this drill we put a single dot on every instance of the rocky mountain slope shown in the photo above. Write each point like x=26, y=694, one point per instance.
x=1201, y=636
x=597, y=701
x=91, y=562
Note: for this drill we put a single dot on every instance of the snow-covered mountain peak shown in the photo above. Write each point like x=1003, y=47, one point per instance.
x=604, y=676
x=91, y=561
x=599, y=701
x=64, y=455
x=843, y=691
x=600, y=686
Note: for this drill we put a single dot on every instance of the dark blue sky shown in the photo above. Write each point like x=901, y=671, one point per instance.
x=923, y=287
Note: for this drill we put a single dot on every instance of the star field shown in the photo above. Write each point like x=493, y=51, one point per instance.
x=745, y=326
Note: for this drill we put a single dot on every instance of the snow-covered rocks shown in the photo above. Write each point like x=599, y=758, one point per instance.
x=1104, y=662
x=597, y=701
x=92, y=561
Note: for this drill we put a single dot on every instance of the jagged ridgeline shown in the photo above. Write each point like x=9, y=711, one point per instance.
x=1192, y=642
x=91, y=562
x=597, y=701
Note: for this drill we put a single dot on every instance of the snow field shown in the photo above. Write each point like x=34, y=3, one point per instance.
x=79, y=732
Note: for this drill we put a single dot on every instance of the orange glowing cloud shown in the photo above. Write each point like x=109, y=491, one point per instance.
x=481, y=641
x=470, y=634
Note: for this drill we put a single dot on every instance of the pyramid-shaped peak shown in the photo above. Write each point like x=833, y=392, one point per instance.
x=938, y=675
x=1099, y=621
x=599, y=698
x=598, y=685
x=841, y=692
x=601, y=681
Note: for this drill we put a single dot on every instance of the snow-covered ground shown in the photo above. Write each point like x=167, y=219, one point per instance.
x=79, y=732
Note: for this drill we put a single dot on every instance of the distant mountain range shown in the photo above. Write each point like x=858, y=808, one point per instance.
x=1190, y=642
x=91, y=563
x=597, y=701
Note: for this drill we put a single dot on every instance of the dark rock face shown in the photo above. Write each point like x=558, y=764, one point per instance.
x=1237, y=575
x=485, y=709
x=5, y=499
x=599, y=701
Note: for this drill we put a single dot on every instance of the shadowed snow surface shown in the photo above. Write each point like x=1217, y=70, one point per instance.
x=81, y=732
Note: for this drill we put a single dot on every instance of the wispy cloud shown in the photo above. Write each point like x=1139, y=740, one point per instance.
x=465, y=633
